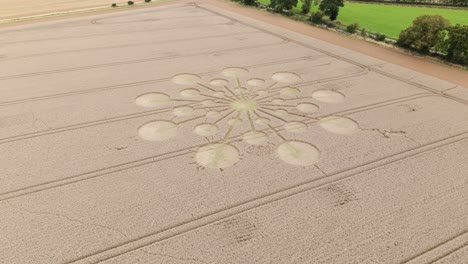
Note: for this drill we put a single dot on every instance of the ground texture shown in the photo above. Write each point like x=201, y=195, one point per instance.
x=191, y=134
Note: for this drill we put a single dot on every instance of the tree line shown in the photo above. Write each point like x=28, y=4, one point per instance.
x=433, y=34
x=429, y=34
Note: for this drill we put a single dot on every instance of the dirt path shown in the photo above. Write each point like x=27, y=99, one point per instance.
x=444, y=72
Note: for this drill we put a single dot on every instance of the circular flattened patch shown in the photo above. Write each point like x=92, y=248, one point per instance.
x=190, y=92
x=307, y=108
x=183, y=111
x=255, y=138
x=206, y=129
x=289, y=91
x=255, y=82
x=285, y=77
x=219, y=82
x=217, y=156
x=295, y=127
x=158, y=130
x=339, y=125
x=234, y=72
x=152, y=100
x=298, y=153
x=328, y=96
x=186, y=79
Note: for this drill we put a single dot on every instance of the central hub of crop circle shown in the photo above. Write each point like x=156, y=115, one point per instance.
x=244, y=105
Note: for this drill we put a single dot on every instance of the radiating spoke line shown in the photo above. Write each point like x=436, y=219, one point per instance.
x=252, y=126
x=251, y=95
x=273, y=110
x=292, y=106
x=185, y=100
x=206, y=87
x=266, y=89
x=191, y=119
x=252, y=90
x=276, y=132
x=249, y=91
x=298, y=98
x=225, y=116
x=231, y=127
x=214, y=97
x=289, y=113
x=210, y=107
x=264, y=99
x=231, y=98
x=271, y=127
x=177, y=106
x=222, y=109
x=271, y=86
x=272, y=115
x=218, y=104
x=305, y=116
x=240, y=88
x=227, y=88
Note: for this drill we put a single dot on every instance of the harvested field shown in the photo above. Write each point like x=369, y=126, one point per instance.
x=187, y=133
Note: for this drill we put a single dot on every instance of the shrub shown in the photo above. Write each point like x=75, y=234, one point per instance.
x=457, y=50
x=249, y=2
x=114, y=5
x=351, y=28
x=329, y=24
x=147, y=1
x=280, y=5
x=306, y=6
x=425, y=33
x=130, y=2
x=363, y=32
x=316, y=17
x=379, y=37
x=331, y=8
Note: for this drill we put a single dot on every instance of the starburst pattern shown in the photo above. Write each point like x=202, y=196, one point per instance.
x=255, y=105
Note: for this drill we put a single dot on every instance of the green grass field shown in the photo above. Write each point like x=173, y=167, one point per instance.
x=389, y=19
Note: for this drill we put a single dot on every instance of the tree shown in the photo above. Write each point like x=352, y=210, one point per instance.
x=459, y=2
x=249, y=2
x=331, y=8
x=457, y=50
x=316, y=17
x=306, y=6
x=426, y=32
x=280, y=5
